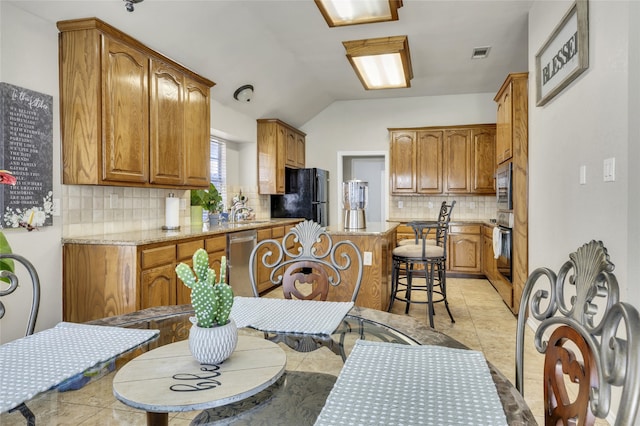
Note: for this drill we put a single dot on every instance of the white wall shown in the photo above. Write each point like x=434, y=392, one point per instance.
x=29, y=52
x=362, y=126
x=589, y=121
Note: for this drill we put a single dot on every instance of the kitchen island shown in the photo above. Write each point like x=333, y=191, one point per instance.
x=375, y=242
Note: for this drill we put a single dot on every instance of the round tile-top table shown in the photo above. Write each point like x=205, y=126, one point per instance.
x=169, y=379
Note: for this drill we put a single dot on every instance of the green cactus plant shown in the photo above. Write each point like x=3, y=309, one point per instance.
x=211, y=300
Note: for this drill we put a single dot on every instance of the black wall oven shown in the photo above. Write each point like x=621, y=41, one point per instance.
x=504, y=187
x=503, y=244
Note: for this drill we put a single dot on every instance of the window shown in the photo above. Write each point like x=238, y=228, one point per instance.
x=218, y=165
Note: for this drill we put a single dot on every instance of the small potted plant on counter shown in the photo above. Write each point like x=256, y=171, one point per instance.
x=210, y=200
x=213, y=335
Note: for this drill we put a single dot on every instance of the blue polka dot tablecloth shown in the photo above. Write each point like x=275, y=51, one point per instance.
x=394, y=384
x=289, y=315
x=45, y=359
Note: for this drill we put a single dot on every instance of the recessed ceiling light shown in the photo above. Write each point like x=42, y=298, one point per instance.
x=350, y=12
x=381, y=63
x=480, y=52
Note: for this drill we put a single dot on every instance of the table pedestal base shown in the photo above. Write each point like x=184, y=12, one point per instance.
x=157, y=419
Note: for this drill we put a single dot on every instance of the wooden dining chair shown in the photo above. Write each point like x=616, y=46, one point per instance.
x=308, y=265
x=590, y=339
x=8, y=285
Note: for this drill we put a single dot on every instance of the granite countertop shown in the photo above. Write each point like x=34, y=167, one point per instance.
x=150, y=236
x=373, y=228
x=404, y=221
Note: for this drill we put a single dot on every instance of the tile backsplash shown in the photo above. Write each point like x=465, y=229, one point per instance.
x=466, y=208
x=96, y=210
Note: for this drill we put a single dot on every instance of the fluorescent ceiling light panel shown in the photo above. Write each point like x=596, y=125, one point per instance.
x=381, y=63
x=350, y=12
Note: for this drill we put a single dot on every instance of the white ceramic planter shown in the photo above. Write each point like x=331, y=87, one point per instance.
x=212, y=345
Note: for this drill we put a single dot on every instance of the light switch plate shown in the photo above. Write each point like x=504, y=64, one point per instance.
x=368, y=258
x=583, y=175
x=609, y=169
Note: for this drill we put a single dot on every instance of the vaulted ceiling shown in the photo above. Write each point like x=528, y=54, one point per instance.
x=297, y=63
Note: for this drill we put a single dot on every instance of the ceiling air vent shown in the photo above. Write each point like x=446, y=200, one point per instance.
x=480, y=52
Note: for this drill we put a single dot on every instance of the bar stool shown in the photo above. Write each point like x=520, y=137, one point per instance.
x=432, y=257
x=443, y=216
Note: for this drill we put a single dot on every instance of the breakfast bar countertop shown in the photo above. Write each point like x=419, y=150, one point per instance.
x=151, y=236
x=373, y=228
x=405, y=220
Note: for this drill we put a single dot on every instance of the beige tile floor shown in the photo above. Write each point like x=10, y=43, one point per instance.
x=483, y=322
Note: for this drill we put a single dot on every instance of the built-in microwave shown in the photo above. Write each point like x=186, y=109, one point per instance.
x=504, y=186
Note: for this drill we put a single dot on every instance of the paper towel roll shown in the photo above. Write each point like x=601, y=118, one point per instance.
x=172, y=212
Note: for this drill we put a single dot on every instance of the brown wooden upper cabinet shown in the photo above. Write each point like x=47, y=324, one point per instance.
x=512, y=115
x=443, y=160
x=279, y=145
x=504, y=141
x=129, y=115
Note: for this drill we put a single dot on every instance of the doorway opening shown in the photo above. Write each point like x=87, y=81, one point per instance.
x=371, y=167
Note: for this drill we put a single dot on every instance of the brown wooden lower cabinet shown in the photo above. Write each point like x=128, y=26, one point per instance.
x=488, y=260
x=263, y=281
x=464, y=253
x=502, y=286
x=105, y=280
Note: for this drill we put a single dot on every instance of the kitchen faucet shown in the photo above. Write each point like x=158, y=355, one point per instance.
x=236, y=209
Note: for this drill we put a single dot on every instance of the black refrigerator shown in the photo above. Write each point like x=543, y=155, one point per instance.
x=306, y=195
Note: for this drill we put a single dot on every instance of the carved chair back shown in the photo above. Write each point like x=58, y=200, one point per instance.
x=308, y=264
x=594, y=341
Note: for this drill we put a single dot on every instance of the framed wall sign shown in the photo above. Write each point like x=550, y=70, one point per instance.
x=565, y=54
x=26, y=151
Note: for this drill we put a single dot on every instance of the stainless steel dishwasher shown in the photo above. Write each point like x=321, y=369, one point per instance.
x=239, y=247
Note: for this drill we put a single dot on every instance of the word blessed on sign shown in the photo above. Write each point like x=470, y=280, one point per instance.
x=566, y=53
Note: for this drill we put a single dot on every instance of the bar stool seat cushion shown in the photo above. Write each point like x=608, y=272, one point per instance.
x=415, y=251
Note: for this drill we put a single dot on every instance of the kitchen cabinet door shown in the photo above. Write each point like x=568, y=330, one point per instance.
x=262, y=273
x=403, y=162
x=197, y=134
x=488, y=259
x=300, y=151
x=291, y=150
x=483, y=154
x=457, y=159
x=429, y=148
x=504, y=138
x=158, y=287
x=464, y=249
x=125, y=113
x=166, y=124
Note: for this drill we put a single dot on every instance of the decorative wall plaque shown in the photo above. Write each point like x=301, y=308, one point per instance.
x=26, y=151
